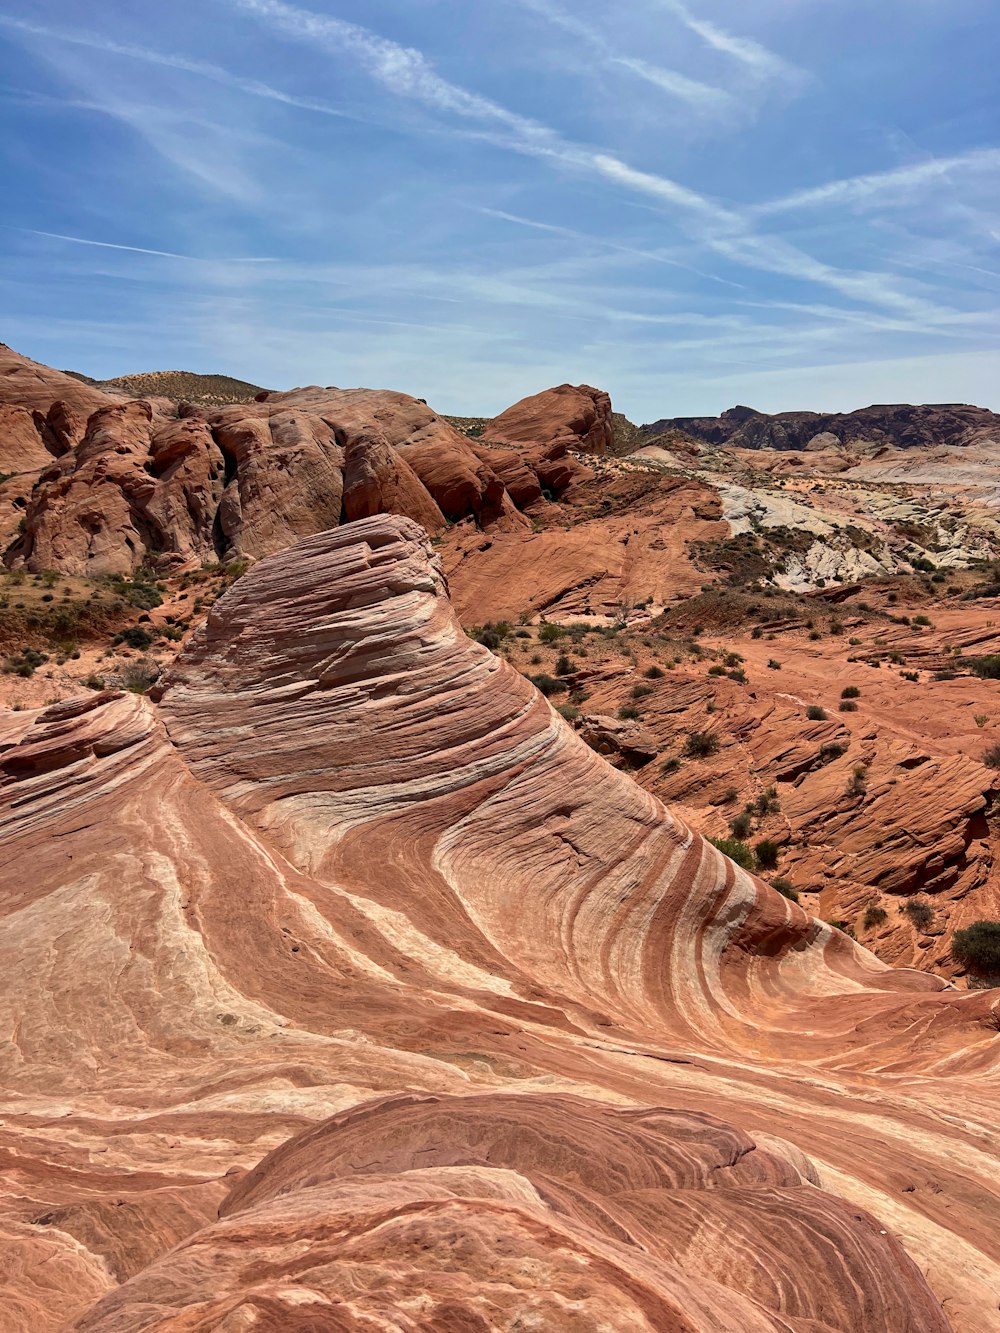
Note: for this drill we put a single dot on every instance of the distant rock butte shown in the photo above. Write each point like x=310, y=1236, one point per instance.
x=345, y=987
x=901, y=425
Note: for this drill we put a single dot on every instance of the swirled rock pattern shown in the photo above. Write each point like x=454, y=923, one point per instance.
x=347, y=988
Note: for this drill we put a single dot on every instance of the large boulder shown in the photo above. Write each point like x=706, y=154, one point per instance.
x=576, y=416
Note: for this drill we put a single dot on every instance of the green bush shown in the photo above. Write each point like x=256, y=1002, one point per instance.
x=740, y=825
x=785, y=888
x=830, y=751
x=816, y=714
x=641, y=691
x=977, y=948
x=847, y=706
x=987, y=667
x=992, y=757
x=767, y=853
x=569, y=711
x=135, y=637
x=773, y=664
x=653, y=673
x=850, y=692
x=548, y=684
x=628, y=714
x=548, y=633
x=564, y=667
x=736, y=850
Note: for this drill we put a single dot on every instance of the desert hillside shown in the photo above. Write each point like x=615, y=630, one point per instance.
x=528, y=871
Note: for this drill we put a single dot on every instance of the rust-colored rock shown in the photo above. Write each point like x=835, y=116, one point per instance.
x=575, y=416
x=495, y=1034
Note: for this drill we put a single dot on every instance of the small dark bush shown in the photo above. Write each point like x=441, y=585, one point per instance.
x=489, y=638
x=717, y=670
x=830, y=751
x=736, y=851
x=847, y=706
x=773, y=665
x=767, y=803
x=850, y=692
x=977, y=948
x=919, y=912
x=986, y=667
x=549, y=633
x=740, y=825
x=815, y=714
x=564, y=667
x=992, y=757
x=670, y=765
x=135, y=636
x=628, y=714
x=701, y=744
x=653, y=673
x=922, y=621
x=548, y=684
x=874, y=916
x=569, y=711
x=767, y=853
x=786, y=888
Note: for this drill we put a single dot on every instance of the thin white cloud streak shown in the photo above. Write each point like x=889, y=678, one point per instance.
x=752, y=55
x=143, y=250
x=703, y=97
x=874, y=187
x=202, y=68
x=601, y=242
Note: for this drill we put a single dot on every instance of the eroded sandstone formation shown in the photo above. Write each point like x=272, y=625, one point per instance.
x=105, y=484
x=346, y=985
x=576, y=416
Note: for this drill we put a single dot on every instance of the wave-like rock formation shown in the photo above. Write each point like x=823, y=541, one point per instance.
x=345, y=987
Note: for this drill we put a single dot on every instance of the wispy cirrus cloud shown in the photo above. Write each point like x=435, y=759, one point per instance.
x=882, y=186
x=751, y=54
x=706, y=98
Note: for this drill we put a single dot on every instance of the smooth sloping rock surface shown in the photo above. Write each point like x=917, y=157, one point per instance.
x=549, y=1055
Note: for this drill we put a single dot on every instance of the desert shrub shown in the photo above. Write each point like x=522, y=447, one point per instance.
x=815, y=714
x=139, y=676
x=730, y=796
x=641, y=691
x=653, y=673
x=874, y=916
x=548, y=684
x=767, y=853
x=830, y=751
x=977, y=948
x=670, y=765
x=569, y=711
x=850, y=692
x=854, y=642
x=767, y=803
x=979, y=719
x=756, y=632
x=919, y=912
x=701, y=744
x=94, y=683
x=717, y=670
x=786, y=888
x=847, y=706
x=922, y=621
x=773, y=665
x=987, y=667
x=739, y=675
x=488, y=638
x=736, y=850
x=815, y=634
x=836, y=627
x=628, y=714
x=522, y=634
x=548, y=633
x=741, y=824
x=992, y=757
x=564, y=667
x=858, y=784
x=135, y=637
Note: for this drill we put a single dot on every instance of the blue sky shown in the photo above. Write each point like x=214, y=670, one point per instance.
x=691, y=203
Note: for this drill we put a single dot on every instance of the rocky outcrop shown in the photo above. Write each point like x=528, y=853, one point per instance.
x=346, y=985
x=575, y=416
x=112, y=482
